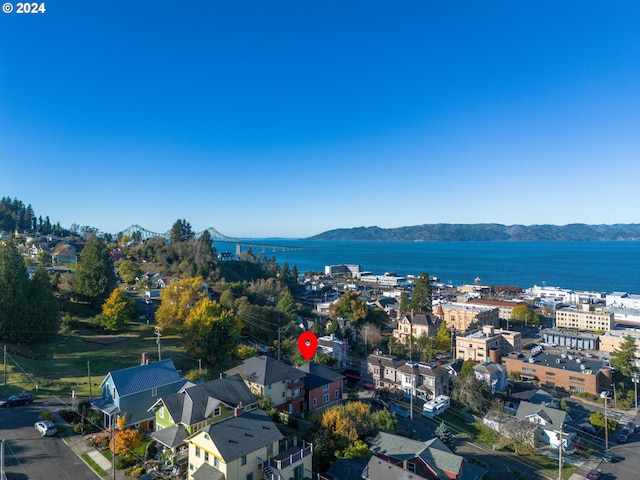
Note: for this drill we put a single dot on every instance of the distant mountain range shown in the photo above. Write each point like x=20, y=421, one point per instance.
x=483, y=232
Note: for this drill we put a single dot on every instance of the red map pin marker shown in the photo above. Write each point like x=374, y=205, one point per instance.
x=307, y=344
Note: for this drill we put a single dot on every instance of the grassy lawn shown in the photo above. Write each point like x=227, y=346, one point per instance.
x=66, y=360
x=94, y=466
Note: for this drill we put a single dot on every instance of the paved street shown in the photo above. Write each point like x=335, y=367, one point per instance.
x=31, y=457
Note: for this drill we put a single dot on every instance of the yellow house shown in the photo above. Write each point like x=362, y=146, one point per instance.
x=248, y=446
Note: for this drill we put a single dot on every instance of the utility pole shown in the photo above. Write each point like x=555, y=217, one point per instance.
x=606, y=426
x=366, y=337
x=560, y=454
x=158, y=334
x=279, y=331
x=89, y=373
x=635, y=384
x=5, y=364
x=113, y=445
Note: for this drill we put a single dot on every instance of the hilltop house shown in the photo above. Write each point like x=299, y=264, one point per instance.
x=323, y=386
x=131, y=392
x=282, y=383
x=410, y=324
x=247, y=446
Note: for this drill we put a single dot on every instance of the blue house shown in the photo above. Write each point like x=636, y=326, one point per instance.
x=132, y=391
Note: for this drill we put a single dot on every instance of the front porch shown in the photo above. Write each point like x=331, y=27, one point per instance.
x=292, y=452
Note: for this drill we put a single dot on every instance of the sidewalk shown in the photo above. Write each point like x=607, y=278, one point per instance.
x=78, y=444
x=585, y=468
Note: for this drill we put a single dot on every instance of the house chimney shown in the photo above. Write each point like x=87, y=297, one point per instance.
x=238, y=410
x=144, y=360
x=412, y=313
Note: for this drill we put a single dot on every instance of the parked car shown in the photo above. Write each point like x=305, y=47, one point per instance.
x=400, y=411
x=594, y=474
x=19, y=399
x=580, y=445
x=588, y=428
x=46, y=428
x=608, y=456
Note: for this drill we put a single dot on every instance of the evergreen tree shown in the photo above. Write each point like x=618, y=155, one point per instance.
x=623, y=357
x=286, y=304
x=43, y=307
x=180, y=231
x=421, y=300
x=205, y=255
x=444, y=434
x=404, y=302
x=14, y=293
x=95, y=277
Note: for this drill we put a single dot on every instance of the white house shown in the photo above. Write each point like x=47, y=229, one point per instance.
x=550, y=422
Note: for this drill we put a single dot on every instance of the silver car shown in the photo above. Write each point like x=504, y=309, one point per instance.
x=46, y=428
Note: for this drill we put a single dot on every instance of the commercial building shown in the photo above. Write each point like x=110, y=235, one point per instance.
x=623, y=300
x=479, y=345
x=584, y=317
x=572, y=374
x=571, y=339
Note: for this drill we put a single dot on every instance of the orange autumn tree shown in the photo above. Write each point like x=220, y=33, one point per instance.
x=125, y=441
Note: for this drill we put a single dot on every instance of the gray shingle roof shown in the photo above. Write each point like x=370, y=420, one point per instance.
x=238, y=436
x=318, y=375
x=129, y=381
x=172, y=436
x=555, y=418
x=207, y=472
x=265, y=370
x=196, y=403
x=433, y=452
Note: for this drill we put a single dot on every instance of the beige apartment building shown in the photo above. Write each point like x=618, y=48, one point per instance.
x=584, y=317
x=464, y=317
x=505, y=309
x=478, y=345
x=610, y=341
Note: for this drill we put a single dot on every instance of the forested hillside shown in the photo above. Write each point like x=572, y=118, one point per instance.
x=445, y=232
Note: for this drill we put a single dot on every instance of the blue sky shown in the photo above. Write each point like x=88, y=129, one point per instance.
x=289, y=118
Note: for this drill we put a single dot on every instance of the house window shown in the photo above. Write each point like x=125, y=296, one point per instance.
x=298, y=472
x=283, y=394
x=243, y=460
x=197, y=451
x=325, y=388
x=206, y=456
x=154, y=391
x=161, y=412
x=216, y=462
x=250, y=476
x=315, y=402
x=325, y=398
x=337, y=394
x=216, y=411
x=411, y=467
